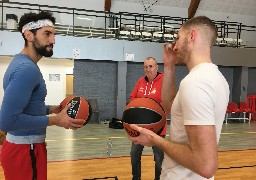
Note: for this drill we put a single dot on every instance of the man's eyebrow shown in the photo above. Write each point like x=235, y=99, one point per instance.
x=149, y=65
x=47, y=31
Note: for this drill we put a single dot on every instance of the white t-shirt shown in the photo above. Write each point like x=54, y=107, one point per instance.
x=201, y=100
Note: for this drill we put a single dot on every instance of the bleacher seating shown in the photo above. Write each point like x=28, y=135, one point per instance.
x=146, y=36
x=239, y=42
x=229, y=41
x=243, y=111
x=129, y=26
x=124, y=35
x=231, y=109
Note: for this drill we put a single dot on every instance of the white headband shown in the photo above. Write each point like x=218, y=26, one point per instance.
x=36, y=25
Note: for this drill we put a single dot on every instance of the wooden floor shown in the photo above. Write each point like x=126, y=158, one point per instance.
x=233, y=165
x=77, y=155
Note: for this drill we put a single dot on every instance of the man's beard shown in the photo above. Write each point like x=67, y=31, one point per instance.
x=183, y=54
x=42, y=50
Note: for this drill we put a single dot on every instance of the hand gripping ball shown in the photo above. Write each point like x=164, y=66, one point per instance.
x=79, y=109
x=146, y=113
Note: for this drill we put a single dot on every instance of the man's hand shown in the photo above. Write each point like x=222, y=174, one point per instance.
x=168, y=85
x=54, y=109
x=169, y=55
x=2, y=136
x=63, y=120
x=146, y=137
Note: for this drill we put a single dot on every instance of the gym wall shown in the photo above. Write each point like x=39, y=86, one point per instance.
x=98, y=80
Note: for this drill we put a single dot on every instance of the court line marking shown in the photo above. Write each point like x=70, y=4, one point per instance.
x=89, y=138
x=236, y=167
x=238, y=133
x=122, y=137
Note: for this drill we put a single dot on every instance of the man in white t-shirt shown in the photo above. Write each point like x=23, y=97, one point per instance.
x=197, y=110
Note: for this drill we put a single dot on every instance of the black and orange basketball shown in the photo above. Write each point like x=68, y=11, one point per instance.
x=146, y=113
x=79, y=109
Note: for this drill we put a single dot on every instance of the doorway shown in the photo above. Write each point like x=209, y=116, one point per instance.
x=69, y=84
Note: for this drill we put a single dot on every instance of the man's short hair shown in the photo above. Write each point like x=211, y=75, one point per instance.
x=203, y=21
x=148, y=58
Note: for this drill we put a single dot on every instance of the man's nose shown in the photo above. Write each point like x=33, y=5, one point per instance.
x=52, y=40
x=175, y=48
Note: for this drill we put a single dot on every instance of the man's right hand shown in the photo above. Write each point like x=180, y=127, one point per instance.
x=169, y=55
x=63, y=120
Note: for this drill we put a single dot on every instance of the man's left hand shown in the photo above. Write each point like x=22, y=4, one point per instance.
x=146, y=137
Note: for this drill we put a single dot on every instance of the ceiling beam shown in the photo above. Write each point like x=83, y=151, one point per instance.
x=107, y=5
x=192, y=8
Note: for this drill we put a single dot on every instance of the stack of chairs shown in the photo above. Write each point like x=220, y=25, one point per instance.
x=242, y=108
x=251, y=101
x=245, y=109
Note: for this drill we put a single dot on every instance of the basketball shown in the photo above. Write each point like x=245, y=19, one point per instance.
x=146, y=113
x=79, y=109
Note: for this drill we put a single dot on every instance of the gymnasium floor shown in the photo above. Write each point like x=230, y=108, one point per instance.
x=81, y=154
x=91, y=141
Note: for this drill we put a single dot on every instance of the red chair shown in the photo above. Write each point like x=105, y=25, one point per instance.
x=244, y=107
x=251, y=101
x=232, y=108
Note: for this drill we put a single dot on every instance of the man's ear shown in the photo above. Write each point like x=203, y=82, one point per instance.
x=192, y=35
x=28, y=35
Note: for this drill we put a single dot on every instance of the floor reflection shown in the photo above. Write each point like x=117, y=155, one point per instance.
x=91, y=141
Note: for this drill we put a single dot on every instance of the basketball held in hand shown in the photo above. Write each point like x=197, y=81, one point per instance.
x=146, y=113
x=79, y=109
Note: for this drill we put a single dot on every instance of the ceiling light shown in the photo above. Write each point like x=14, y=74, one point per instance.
x=84, y=18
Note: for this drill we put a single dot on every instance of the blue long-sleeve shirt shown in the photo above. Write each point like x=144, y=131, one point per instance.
x=23, y=110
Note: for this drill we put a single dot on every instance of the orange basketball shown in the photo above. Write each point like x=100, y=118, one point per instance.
x=79, y=109
x=146, y=113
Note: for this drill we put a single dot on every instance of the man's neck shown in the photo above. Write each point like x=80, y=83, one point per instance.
x=32, y=54
x=198, y=57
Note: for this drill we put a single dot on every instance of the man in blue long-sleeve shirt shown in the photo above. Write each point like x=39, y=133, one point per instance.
x=23, y=113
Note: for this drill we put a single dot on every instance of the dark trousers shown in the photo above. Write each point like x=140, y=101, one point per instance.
x=136, y=152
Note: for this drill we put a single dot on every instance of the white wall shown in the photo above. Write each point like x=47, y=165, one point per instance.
x=249, y=37
x=65, y=19
x=56, y=90
x=97, y=5
x=90, y=48
x=117, y=6
x=4, y=62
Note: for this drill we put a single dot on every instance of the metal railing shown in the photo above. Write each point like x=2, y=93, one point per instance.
x=122, y=25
